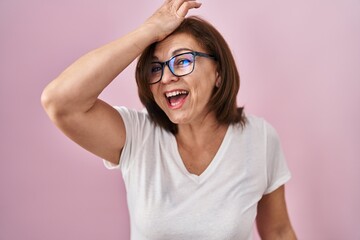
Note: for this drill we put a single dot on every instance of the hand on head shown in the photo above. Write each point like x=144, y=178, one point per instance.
x=169, y=16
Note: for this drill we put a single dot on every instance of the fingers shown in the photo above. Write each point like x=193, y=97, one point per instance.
x=177, y=3
x=182, y=7
x=169, y=16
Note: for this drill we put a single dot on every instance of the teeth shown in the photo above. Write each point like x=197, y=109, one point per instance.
x=175, y=93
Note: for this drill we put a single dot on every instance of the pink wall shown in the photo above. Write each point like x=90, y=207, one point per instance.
x=299, y=64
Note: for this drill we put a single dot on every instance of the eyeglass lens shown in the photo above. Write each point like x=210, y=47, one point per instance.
x=179, y=65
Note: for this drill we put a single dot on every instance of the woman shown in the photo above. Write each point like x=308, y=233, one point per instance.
x=194, y=166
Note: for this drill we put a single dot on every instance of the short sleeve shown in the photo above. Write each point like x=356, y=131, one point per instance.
x=131, y=122
x=277, y=169
x=110, y=165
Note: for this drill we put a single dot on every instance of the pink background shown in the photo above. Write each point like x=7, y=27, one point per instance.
x=300, y=69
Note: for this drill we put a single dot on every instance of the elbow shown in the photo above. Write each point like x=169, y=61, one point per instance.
x=286, y=233
x=45, y=99
x=51, y=102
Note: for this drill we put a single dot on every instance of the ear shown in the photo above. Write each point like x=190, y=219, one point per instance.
x=218, y=80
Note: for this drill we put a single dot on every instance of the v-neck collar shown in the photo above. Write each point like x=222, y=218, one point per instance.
x=214, y=162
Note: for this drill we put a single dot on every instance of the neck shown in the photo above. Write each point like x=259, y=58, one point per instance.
x=199, y=134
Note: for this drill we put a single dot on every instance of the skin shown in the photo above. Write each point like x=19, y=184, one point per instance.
x=199, y=83
x=195, y=123
x=72, y=103
x=272, y=219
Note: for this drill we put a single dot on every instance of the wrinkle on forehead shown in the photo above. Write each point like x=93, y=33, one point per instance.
x=176, y=52
x=175, y=44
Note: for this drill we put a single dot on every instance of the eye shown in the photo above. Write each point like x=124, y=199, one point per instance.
x=183, y=61
x=155, y=68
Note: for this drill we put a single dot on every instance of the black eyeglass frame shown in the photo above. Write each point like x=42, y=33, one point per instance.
x=194, y=53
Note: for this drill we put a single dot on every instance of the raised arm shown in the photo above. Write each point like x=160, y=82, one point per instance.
x=71, y=100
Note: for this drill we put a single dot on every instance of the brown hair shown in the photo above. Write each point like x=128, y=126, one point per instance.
x=223, y=100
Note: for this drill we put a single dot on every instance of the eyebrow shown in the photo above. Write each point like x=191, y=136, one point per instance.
x=180, y=50
x=177, y=51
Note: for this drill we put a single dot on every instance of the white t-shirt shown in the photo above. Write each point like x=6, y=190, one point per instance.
x=167, y=202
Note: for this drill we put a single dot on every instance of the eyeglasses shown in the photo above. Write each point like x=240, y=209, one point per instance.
x=180, y=65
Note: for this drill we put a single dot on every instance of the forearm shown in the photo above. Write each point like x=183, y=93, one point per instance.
x=78, y=87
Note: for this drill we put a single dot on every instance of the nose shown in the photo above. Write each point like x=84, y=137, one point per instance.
x=168, y=76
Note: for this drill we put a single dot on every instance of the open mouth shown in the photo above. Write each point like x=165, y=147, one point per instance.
x=175, y=98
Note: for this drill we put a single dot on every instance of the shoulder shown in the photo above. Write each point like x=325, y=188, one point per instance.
x=253, y=121
x=138, y=124
x=257, y=126
x=132, y=117
x=265, y=133
x=260, y=123
x=253, y=124
x=132, y=113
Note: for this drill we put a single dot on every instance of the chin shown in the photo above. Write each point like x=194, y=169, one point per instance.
x=178, y=119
